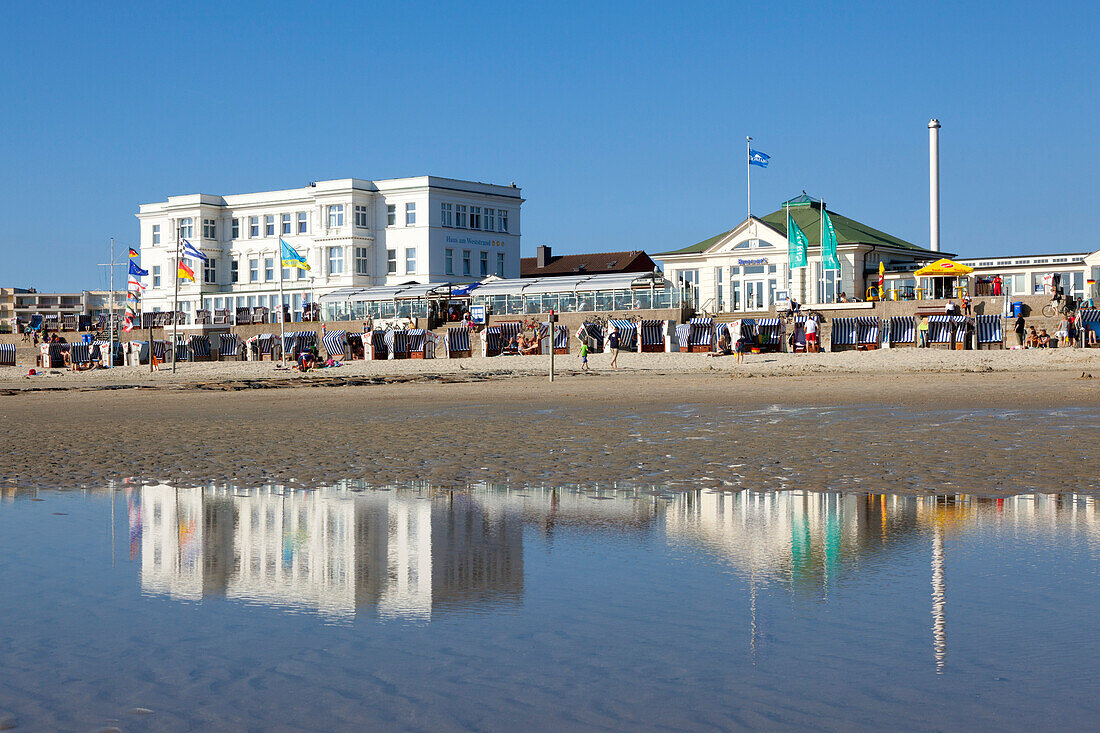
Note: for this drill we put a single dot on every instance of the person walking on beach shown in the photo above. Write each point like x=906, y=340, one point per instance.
x=966, y=304
x=584, y=356
x=613, y=344
x=1019, y=327
x=923, y=330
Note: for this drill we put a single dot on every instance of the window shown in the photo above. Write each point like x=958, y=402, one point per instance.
x=391, y=214
x=187, y=228
x=336, y=215
x=475, y=217
x=460, y=216
x=209, y=270
x=391, y=261
x=285, y=229
x=465, y=262
x=301, y=273
x=502, y=220
x=253, y=271
x=303, y=223
x=235, y=228
x=234, y=268
x=156, y=234
x=361, y=216
x=489, y=221
x=156, y=276
x=410, y=214
x=269, y=225
x=500, y=264
x=484, y=263
x=449, y=260
x=209, y=229
x=336, y=258
x=410, y=260
x=269, y=269
x=446, y=216
x=285, y=274
x=361, y=261
x=253, y=226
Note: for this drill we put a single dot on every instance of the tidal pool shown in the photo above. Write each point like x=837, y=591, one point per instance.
x=152, y=607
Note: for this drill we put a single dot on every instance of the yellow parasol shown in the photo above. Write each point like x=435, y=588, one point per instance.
x=943, y=268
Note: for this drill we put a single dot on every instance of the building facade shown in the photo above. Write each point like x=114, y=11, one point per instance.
x=747, y=268
x=352, y=232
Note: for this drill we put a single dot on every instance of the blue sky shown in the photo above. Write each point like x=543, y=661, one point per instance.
x=623, y=123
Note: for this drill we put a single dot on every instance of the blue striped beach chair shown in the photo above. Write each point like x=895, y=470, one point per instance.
x=683, y=337
x=374, y=345
x=336, y=345
x=457, y=343
x=183, y=348
x=989, y=332
x=200, y=347
x=561, y=338
x=868, y=329
x=903, y=332
x=963, y=330
x=307, y=340
x=229, y=347
x=421, y=343
x=80, y=354
x=653, y=337
x=491, y=341
x=397, y=343
x=770, y=334
x=265, y=345
x=626, y=330
x=1088, y=320
x=162, y=351
x=7, y=354
x=592, y=334
x=845, y=333
x=701, y=335
x=290, y=344
x=508, y=331
x=52, y=356
x=941, y=329
x=104, y=347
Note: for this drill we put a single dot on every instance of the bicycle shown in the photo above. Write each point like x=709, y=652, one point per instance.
x=1057, y=307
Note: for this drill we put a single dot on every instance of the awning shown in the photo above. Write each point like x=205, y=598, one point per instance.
x=943, y=268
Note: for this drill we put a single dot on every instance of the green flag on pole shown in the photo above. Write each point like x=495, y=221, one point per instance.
x=828, y=244
x=797, y=244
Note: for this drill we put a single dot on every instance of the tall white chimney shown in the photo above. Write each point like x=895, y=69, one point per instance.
x=934, y=185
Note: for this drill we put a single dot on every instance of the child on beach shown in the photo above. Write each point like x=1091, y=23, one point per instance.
x=584, y=356
x=739, y=347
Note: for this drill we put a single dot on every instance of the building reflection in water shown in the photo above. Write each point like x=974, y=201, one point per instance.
x=411, y=550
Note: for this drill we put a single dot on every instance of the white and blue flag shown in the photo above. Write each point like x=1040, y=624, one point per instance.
x=190, y=250
x=758, y=158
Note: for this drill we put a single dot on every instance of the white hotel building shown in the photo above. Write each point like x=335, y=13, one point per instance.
x=353, y=233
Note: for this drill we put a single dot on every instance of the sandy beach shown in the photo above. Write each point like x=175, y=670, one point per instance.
x=901, y=421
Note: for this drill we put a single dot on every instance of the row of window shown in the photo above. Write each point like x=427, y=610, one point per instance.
x=467, y=269
x=461, y=216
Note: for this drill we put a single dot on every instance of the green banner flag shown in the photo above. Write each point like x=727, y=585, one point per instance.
x=829, y=257
x=797, y=244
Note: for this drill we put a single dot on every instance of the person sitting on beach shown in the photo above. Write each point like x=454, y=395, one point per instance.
x=307, y=360
x=922, y=329
x=1032, y=339
x=530, y=346
x=1044, y=339
x=723, y=347
x=949, y=309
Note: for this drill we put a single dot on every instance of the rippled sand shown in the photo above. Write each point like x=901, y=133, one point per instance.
x=981, y=433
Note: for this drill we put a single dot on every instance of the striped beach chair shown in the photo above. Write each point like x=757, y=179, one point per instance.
x=508, y=331
x=222, y=317
x=258, y=314
x=162, y=352
x=104, y=347
x=491, y=341
x=988, y=331
x=52, y=356
x=183, y=348
x=355, y=345
x=80, y=354
x=242, y=315
x=421, y=343
x=374, y=345
x=653, y=337
x=69, y=322
x=941, y=329
x=561, y=338
x=962, y=332
x=7, y=354
x=627, y=331
x=845, y=333
x=1088, y=320
x=868, y=329
x=457, y=343
x=683, y=337
x=592, y=334
x=397, y=343
x=290, y=344
x=770, y=334
x=229, y=347
x=701, y=334
x=265, y=345
x=336, y=344
x=200, y=347
x=903, y=332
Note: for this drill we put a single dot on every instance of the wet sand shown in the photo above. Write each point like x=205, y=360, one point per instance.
x=926, y=432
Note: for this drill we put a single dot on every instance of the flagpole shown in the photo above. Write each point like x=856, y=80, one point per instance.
x=282, y=320
x=748, y=176
x=175, y=303
x=111, y=312
x=821, y=211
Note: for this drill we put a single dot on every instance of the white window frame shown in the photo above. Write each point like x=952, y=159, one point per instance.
x=362, y=263
x=303, y=223
x=475, y=217
x=467, y=268
x=361, y=216
x=269, y=269
x=490, y=219
x=410, y=214
x=269, y=225
x=502, y=220
x=156, y=276
x=500, y=264
x=449, y=260
x=446, y=215
x=253, y=227
x=253, y=270
x=210, y=271
x=410, y=260
x=235, y=229
x=460, y=216
x=209, y=229
x=336, y=260
x=483, y=267
x=286, y=226
x=156, y=234
x=391, y=261
x=187, y=228
x=391, y=215
x=234, y=271
x=335, y=216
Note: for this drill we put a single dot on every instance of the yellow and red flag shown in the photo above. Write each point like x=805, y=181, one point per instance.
x=184, y=272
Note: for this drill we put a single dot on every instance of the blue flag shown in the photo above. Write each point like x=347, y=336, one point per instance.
x=135, y=270
x=758, y=158
x=190, y=250
x=291, y=258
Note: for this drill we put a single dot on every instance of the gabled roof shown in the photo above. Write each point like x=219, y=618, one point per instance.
x=590, y=264
x=806, y=213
